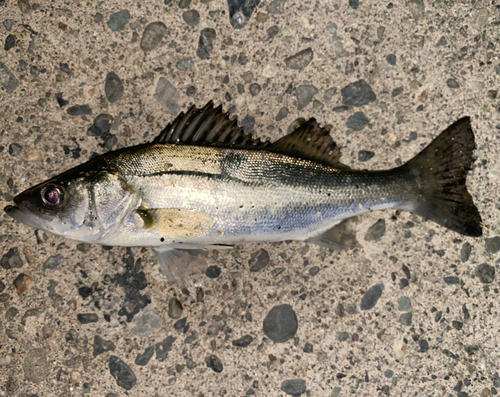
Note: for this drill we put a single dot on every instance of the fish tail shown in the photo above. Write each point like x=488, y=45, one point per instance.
x=440, y=171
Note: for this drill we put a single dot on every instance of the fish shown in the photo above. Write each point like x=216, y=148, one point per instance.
x=204, y=183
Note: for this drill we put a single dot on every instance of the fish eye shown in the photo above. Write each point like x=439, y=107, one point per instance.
x=52, y=196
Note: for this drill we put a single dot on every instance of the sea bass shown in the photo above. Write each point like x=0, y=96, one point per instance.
x=204, y=183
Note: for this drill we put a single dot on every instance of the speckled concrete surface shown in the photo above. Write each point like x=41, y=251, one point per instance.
x=78, y=79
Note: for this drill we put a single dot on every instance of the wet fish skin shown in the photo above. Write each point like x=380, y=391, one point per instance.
x=204, y=184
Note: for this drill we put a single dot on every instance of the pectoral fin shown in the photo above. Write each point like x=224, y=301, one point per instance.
x=341, y=236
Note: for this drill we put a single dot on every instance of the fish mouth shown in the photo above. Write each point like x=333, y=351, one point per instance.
x=21, y=214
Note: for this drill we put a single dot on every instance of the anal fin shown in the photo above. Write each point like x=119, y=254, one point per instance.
x=340, y=237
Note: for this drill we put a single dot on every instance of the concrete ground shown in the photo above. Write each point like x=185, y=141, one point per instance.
x=84, y=78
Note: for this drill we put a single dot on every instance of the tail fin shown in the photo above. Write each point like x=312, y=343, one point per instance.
x=441, y=169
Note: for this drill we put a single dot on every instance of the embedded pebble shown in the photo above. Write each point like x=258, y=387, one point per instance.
x=142, y=359
x=294, y=387
x=259, y=260
x=391, y=59
x=404, y=303
x=254, y=89
x=423, y=346
x=281, y=323
x=15, y=149
x=166, y=94
x=162, y=348
x=492, y=245
x=357, y=94
x=283, y=112
x=365, y=155
x=11, y=313
x=185, y=64
x=123, y=374
x=300, y=60
x=101, y=345
x=191, y=17
x=180, y=324
x=376, y=231
x=244, y=341
x=485, y=273
x=2, y=286
x=452, y=83
x=206, y=43
x=10, y=42
x=101, y=127
x=276, y=7
x=87, y=318
x=406, y=318
x=146, y=323
x=113, y=87
x=53, y=261
x=305, y=94
x=153, y=36
x=214, y=362
x=371, y=297
x=451, y=280
x=35, y=365
x=357, y=121
x=118, y=20
x=174, y=308
x=240, y=12
x=7, y=79
x=12, y=259
x=213, y=272
x=22, y=283
x=79, y=110
x=465, y=252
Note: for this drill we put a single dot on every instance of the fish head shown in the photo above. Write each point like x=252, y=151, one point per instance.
x=80, y=204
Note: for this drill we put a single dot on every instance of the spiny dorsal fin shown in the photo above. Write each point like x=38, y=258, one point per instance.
x=206, y=126
x=310, y=142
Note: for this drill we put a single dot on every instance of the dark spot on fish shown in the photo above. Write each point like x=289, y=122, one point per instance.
x=162, y=239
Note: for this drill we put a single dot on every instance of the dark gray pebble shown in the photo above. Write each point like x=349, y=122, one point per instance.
x=458, y=325
x=259, y=260
x=406, y=318
x=119, y=20
x=388, y=373
x=397, y=91
x=143, y=358
x=365, y=155
x=305, y=94
x=15, y=149
x=53, y=261
x=340, y=109
x=342, y=336
x=391, y=59
x=11, y=259
x=85, y=291
x=98, y=17
x=314, y=270
x=60, y=100
x=162, y=348
x=300, y=60
x=276, y=7
x=183, y=4
x=441, y=42
x=254, y=89
x=86, y=318
x=166, y=94
x=101, y=127
x=2, y=286
x=272, y=32
x=248, y=123
x=214, y=362
x=358, y=94
x=354, y=4
x=101, y=345
x=8, y=24
x=10, y=42
x=180, y=324
x=240, y=12
x=452, y=83
x=404, y=303
x=206, y=43
x=79, y=110
x=492, y=245
x=8, y=81
x=124, y=376
x=244, y=341
x=153, y=35
x=113, y=87
x=283, y=112
x=64, y=67
x=191, y=17
x=465, y=252
x=213, y=272
x=423, y=345
x=451, y=280
x=308, y=348
x=11, y=313
x=371, y=297
x=294, y=387
x=191, y=91
x=376, y=231
x=357, y=121
x=185, y=64
x=281, y=323
x=485, y=273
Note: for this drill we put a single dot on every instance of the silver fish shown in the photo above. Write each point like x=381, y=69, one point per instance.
x=203, y=183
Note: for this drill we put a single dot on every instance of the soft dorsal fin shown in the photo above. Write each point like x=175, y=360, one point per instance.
x=310, y=142
x=206, y=126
